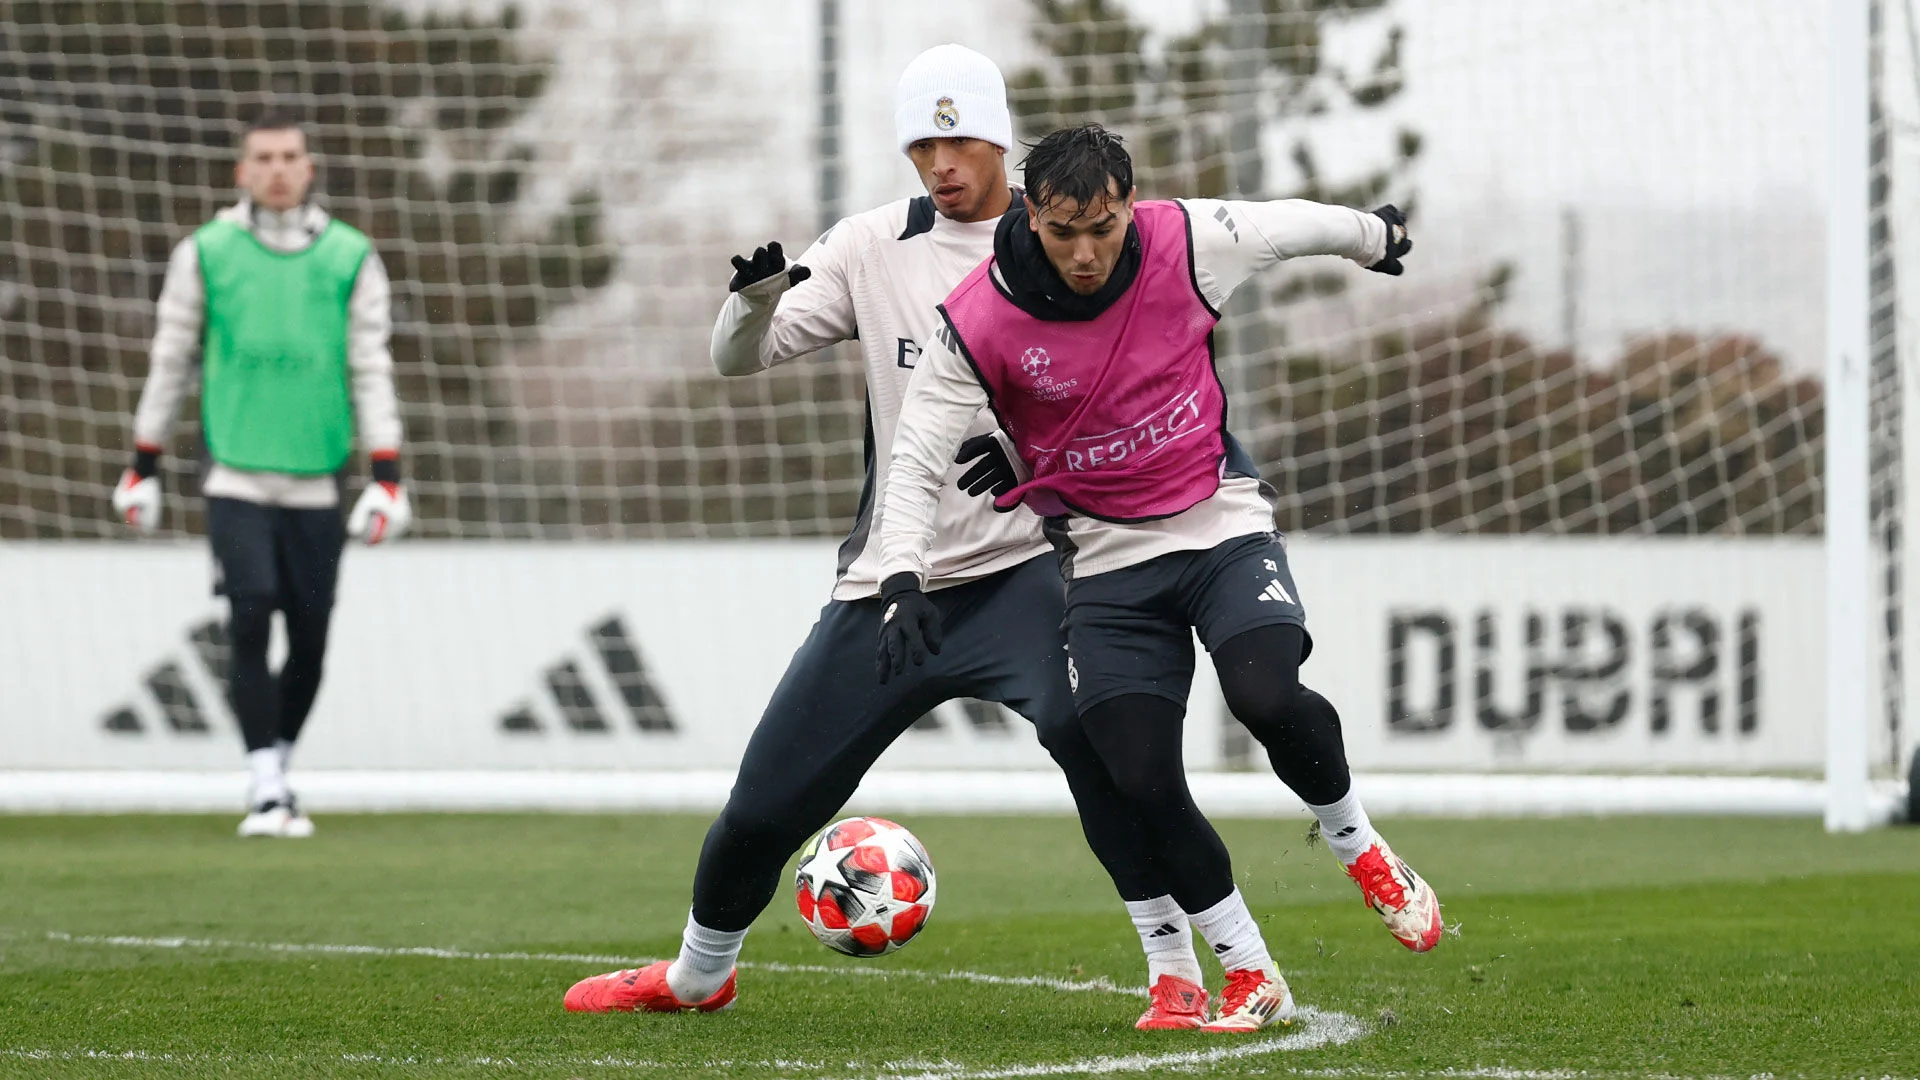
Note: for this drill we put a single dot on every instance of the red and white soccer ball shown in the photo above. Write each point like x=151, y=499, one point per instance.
x=865, y=886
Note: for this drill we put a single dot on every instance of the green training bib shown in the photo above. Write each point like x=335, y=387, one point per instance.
x=274, y=391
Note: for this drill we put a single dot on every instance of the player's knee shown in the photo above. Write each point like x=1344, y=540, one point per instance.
x=762, y=824
x=250, y=623
x=1317, y=711
x=1262, y=698
x=1148, y=782
x=306, y=653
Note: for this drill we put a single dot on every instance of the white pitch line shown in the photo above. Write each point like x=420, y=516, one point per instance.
x=1079, y=986
x=491, y=1061
x=1089, y=1066
x=1502, y=1072
x=1317, y=1028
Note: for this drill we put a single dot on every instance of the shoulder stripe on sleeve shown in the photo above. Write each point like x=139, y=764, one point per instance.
x=919, y=218
x=1193, y=274
x=950, y=337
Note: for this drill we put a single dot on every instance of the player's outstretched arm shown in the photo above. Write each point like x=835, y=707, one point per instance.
x=1236, y=239
x=776, y=310
x=176, y=337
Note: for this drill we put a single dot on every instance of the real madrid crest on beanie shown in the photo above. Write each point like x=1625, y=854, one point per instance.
x=951, y=92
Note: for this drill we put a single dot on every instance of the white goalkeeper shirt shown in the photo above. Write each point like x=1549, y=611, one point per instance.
x=1232, y=241
x=176, y=348
x=877, y=277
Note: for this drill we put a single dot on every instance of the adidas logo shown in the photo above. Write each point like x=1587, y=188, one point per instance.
x=1166, y=930
x=170, y=687
x=1275, y=591
x=183, y=710
x=1226, y=219
x=573, y=697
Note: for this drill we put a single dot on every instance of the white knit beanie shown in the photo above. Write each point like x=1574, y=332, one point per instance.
x=951, y=92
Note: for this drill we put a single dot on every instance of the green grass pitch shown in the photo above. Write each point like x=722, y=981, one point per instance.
x=1679, y=947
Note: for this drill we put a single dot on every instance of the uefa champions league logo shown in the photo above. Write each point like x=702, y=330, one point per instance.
x=1035, y=363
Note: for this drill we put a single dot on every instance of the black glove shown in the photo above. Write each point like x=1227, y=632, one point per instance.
x=993, y=472
x=909, y=625
x=766, y=262
x=1397, y=242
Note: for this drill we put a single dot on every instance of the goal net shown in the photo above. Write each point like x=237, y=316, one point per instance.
x=1556, y=495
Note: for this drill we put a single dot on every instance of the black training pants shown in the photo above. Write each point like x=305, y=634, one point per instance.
x=831, y=717
x=275, y=558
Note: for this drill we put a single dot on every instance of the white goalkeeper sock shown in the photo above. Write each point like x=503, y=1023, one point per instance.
x=269, y=780
x=706, y=959
x=285, y=750
x=1167, y=938
x=1229, y=927
x=1345, y=828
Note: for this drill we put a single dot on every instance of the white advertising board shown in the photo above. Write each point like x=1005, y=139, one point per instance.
x=1443, y=655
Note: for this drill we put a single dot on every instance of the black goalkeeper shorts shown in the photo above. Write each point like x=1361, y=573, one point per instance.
x=1130, y=631
x=288, y=555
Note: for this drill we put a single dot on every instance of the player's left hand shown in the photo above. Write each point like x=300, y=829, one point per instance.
x=382, y=513
x=1398, y=243
x=909, y=625
x=766, y=262
x=992, y=473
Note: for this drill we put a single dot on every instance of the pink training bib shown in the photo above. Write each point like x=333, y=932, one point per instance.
x=1119, y=417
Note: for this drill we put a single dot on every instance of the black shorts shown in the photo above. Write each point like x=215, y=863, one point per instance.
x=1130, y=631
x=291, y=556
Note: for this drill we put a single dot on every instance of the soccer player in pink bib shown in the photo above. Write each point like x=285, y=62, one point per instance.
x=1088, y=335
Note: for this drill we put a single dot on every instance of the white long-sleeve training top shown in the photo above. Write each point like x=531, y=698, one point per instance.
x=1232, y=241
x=878, y=276
x=176, y=348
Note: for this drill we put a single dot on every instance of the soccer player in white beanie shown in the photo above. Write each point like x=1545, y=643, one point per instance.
x=876, y=278
x=952, y=92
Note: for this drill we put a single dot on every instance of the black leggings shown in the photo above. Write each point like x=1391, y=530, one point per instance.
x=1260, y=677
x=1139, y=737
x=270, y=708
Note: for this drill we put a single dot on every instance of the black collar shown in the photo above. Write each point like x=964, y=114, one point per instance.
x=1035, y=287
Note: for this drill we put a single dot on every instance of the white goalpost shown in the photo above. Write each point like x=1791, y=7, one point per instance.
x=1848, y=563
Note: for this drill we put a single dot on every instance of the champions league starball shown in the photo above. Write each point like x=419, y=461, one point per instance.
x=864, y=886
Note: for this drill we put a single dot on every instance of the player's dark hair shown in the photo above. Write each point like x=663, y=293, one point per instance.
x=1083, y=163
x=271, y=118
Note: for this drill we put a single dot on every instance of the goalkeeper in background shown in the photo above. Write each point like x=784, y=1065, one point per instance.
x=288, y=311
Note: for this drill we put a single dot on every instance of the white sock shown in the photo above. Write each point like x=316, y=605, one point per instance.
x=1229, y=927
x=1167, y=938
x=269, y=782
x=706, y=959
x=1344, y=826
x=285, y=750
